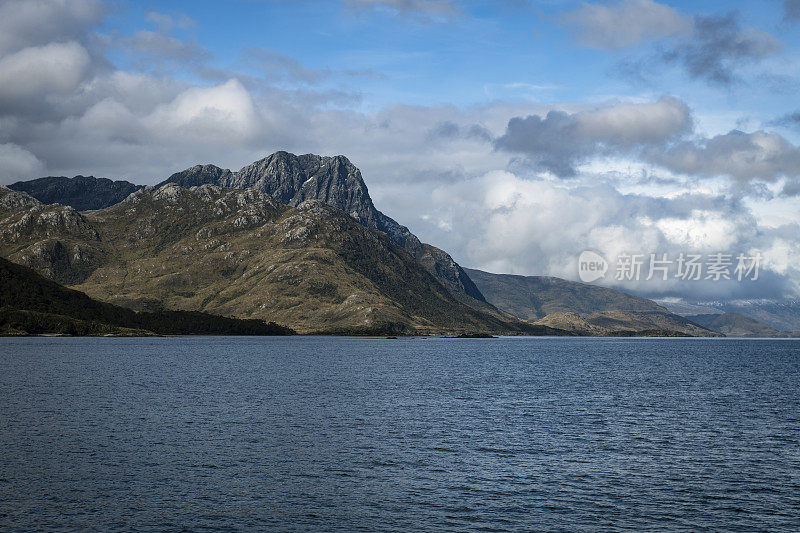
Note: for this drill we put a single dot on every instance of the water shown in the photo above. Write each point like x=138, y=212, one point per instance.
x=325, y=434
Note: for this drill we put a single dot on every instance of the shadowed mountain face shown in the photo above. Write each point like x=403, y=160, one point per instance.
x=293, y=179
x=34, y=305
x=238, y=253
x=81, y=192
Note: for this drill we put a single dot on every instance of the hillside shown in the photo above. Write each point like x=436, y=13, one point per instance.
x=534, y=297
x=34, y=305
x=238, y=253
x=736, y=325
x=578, y=307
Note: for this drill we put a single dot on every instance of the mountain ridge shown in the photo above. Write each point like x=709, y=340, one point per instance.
x=291, y=179
x=82, y=193
x=238, y=252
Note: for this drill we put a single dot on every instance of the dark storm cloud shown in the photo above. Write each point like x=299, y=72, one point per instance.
x=708, y=48
x=719, y=45
x=25, y=23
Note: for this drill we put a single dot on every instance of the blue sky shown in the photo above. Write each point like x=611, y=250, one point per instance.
x=485, y=50
x=512, y=133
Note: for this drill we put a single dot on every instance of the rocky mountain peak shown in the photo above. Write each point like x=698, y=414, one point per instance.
x=292, y=179
x=288, y=178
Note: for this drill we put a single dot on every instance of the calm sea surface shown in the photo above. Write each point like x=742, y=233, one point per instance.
x=320, y=434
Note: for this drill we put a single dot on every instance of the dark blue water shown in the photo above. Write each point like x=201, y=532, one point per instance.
x=427, y=434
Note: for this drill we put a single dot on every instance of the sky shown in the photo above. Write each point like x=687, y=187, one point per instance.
x=514, y=134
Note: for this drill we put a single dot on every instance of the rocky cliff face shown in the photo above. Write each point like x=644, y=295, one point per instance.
x=293, y=179
x=82, y=193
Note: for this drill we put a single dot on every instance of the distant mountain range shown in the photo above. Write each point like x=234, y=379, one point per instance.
x=780, y=315
x=736, y=325
x=291, y=239
x=579, y=307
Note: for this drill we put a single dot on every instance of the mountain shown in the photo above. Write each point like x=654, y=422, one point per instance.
x=616, y=323
x=782, y=315
x=736, y=325
x=579, y=307
x=238, y=253
x=35, y=305
x=533, y=297
x=293, y=179
x=81, y=192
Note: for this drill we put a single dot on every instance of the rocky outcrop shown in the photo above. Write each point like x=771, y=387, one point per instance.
x=81, y=192
x=293, y=179
x=11, y=201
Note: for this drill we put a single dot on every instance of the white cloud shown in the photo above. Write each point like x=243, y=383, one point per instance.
x=207, y=114
x=742, y=156
x=16, y=163
x=632, y=124
x=35, y=71
x=626, y=23
x=423, y=8
x=702, y=230
x=503, y=223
